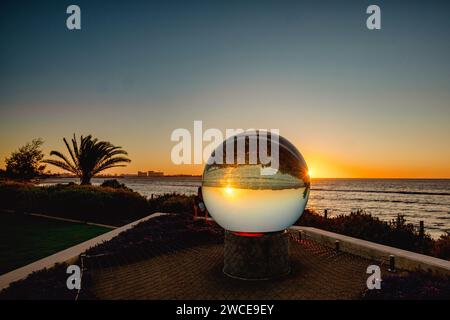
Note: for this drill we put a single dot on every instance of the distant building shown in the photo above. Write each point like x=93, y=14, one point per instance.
x=155, y=174
x=142, y=174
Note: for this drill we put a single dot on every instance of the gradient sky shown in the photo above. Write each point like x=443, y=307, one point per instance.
x=356, y=103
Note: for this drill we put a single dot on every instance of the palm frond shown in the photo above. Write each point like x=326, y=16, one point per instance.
x=64, y=158
x=60, y=164
x=111, y=162
x=74, y=159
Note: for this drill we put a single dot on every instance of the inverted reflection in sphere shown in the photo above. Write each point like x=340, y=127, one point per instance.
x=250, y=195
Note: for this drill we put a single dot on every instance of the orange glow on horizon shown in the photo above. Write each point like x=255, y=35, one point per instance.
x=332, y=164
x=319, y=167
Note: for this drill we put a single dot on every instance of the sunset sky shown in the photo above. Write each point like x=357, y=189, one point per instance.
x=356, y=103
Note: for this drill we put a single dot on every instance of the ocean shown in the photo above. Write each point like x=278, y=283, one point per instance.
x=416, y=199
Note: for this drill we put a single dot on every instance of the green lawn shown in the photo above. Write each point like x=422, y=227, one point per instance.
x=24, y=239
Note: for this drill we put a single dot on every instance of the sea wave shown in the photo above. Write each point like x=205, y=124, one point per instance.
x=384, y=191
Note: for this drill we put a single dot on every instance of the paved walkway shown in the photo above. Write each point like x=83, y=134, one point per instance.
x=196, y=273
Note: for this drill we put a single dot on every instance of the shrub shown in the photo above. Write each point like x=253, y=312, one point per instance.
x=86, y=203
x=442, y=247
x=18, y=196
x=115, y=184
x=172, y=203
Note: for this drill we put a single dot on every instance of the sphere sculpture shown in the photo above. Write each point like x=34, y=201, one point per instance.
x=255, y=185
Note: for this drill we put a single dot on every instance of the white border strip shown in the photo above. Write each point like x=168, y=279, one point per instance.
x=70, y=220
x=6, y=211
x=68, y=254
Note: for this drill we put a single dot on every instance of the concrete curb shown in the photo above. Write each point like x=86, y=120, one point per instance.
x=58, y=218
x=70, y=220
x=405, y=260
x=67, y=255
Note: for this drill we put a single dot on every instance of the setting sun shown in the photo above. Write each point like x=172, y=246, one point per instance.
x=229, y=191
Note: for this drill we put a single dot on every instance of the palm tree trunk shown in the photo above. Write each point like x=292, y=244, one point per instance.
x=85, y=180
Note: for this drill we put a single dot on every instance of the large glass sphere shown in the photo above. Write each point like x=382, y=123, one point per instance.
x=245, y=193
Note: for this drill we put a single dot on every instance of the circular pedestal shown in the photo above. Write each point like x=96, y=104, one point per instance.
x=259, y=257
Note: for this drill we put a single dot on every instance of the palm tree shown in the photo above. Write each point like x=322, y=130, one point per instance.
x=89, y=158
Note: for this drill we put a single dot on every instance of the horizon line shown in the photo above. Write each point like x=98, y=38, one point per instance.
x=199, y=175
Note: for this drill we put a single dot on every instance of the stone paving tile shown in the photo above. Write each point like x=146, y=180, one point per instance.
x=196, y=273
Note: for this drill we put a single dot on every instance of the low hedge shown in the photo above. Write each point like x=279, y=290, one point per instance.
x=106, y=205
